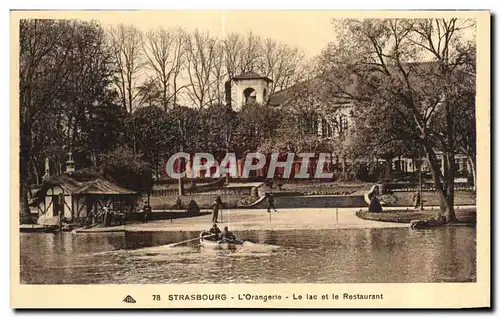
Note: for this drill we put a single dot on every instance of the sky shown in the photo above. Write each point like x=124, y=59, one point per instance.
x=309, y=31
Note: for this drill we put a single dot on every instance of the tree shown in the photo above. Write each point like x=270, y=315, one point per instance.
x=154, y=133
x=408, y=67
x=41, y=73
x=257, y=123
x=188, y=128
x=466, y=130
x=166, y=57
x=233, y=46
x=126, y=169
x=285, y=65
x=202, y=52
x=87, y=104
x=219, y=125
x=64, y=76
x=250, y=53
x=217, y=94
x=126, y=42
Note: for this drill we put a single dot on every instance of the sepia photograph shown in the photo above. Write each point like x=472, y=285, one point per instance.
x=248, y=147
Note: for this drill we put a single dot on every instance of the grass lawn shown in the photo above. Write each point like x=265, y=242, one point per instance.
x=309, y=187
x=466, y=215
x=431, y=198
x=204, y=201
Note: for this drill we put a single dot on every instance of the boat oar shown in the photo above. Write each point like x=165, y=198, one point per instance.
x=197, y=238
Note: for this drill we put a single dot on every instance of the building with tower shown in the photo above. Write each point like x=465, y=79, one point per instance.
x=253, y=87
x=248, y=87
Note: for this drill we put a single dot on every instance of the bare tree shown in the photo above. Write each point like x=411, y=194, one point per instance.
x=202, y=58
x=251, y=53
x=233, y=46
x=166, y=56
x=126, y=43
x=218, y=76
x=285, y=65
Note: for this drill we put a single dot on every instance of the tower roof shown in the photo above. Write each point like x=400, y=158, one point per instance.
x=251, y=75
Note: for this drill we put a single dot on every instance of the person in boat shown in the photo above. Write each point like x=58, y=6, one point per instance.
x=215, y=230
x=228, y=235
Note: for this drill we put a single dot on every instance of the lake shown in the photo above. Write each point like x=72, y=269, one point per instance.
x=387, y=255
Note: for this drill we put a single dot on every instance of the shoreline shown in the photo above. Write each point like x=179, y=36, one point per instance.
x=259, y=219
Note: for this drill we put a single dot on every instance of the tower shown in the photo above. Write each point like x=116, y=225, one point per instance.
x=249, y=87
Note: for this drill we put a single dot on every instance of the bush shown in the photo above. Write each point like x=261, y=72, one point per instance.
x=247, y=201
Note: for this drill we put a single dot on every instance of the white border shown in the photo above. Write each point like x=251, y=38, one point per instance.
x=200, y=4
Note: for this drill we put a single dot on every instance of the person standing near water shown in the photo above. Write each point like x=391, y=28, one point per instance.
x=270, y=199
x=147, y=212
x=216, y=205
x=416, y=199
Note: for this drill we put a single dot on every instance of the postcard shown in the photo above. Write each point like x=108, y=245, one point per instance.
x=250, y=159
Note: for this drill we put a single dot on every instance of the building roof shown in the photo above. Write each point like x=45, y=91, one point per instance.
x=102, y=186
x=65, y=181
x=300, y=89
x=97, y=185
x=251, y=75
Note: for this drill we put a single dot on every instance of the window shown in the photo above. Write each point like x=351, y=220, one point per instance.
x=250, y=96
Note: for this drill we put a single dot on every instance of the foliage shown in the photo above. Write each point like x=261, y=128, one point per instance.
x=257, y=123
x=218, y=130
x=405, y=78
x=64, y=81
x=153, y=133
x=126, y=169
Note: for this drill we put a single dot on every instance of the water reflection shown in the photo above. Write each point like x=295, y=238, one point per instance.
x=321, y=256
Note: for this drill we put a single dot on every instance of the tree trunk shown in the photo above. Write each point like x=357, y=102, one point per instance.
x=24, y=205
x=24, y=173
x=332, y=165
x=444, y=206
x=180, y=184
x=450, y=186
x=37, y=175
x=420, y=182
x=472, y=164
x=388, y=170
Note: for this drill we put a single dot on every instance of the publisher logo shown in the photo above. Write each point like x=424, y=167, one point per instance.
x=129, y=300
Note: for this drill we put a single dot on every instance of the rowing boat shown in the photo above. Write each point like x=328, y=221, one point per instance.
x=219, y=244
x=36, y=228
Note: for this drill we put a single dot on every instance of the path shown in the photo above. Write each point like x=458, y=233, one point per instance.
x=258, y=219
